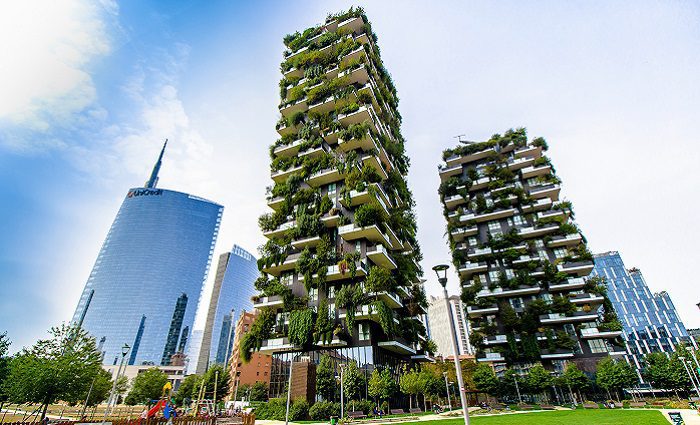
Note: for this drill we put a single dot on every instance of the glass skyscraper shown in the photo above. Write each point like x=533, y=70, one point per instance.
x=650, y=321
x=231, y=295
x=145, y=285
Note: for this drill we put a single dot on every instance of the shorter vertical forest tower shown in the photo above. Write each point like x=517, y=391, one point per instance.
x=340, y=272
x=521, y=260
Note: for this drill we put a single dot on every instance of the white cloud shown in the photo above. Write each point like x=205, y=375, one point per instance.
x=47, y=48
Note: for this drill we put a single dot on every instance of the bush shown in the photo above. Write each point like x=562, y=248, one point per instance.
x=365, y=405
x=299, y=410
x=275, y=409
x=369, y=214
x=323, y=410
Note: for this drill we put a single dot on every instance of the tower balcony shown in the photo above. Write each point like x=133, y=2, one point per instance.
x=568, y=240
x=391, y=299
x=447, y=172
x=496, y=340
x=289, y=149
x=289, y=109
x=525, y=259
x=551, y=214
x=539, y=205
x=463, y=159
x=310, y=242
x=331, y=220
x=277, y=345
x=531, y=171
x=462, y=233
x=479, y=252
x=351, y=232
x=271, y=301
x=357, y=75
x=530, y=151
x=281, y=230
x=366, y=142
x=550, y=191
x=491, y=357
x=363, y=312
x=288, y=264
x=467, y=269
x=353, y=25
x=374, y=162
x=281, y=175
x=323, y=177
x=580, y=268
x=423, y=358
x=587, y=299
x=556, y=354
x=533, y=232
x=374, y=191
x=381, y=257
x=494, y=215
x=397, y=345
x=334, y=272
x=571, y=284
x=365, y=113
x=285, y=129
x=595, y=333
x=353, y=56
x=507, y=293
x=293, y=73
x=579, y=316
x=335, y=342
x=454, y=201
x=475, y=311
x=515, y=164
x=323, y=106
x=479, y=184
x=276, y=202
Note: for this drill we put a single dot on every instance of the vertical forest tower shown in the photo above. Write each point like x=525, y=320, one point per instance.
x=340, y=273
x=523, y=263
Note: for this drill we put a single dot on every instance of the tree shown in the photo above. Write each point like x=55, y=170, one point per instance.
x=188, y=390
x=146, y=386
x=410, y=384
x=575, y=379
x=59, y=368
x=538, y=379
x=259, y=391
x=101, y=387
x=381, y=385
x=615, y=375
x=485, y=379
x=4, y=363
x=325, y=378
x=353, y=382
x=218, y=374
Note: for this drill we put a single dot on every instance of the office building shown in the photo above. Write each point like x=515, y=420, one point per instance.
x=649, y=320
x=440, y=331
x=258, y=369
x=521, y=259
x=147, y=279
x=340, y=271
x=231, y=294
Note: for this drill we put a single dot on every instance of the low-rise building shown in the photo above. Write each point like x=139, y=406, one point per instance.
x=258, y=368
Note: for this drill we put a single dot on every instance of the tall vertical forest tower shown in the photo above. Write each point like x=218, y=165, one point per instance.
x=523, y=263
x=340, y=272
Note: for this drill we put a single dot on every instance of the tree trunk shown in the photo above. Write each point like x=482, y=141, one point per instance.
x=410, y=401
x=43, y=412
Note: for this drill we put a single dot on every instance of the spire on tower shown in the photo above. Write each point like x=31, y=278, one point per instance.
x=153, y=180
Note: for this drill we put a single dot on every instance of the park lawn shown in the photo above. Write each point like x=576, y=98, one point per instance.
x=575, y=417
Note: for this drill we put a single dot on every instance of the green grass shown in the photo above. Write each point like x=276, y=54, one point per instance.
x=574, y=417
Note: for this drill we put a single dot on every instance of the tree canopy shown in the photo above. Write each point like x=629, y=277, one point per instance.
x=146, y=386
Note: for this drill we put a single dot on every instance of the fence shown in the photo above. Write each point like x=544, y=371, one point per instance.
x=241, y=419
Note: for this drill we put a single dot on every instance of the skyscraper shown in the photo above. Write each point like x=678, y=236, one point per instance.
x=340, y=267
x=440, y=331
x=650, y=321
x=522, y=261
x=233, y=288
x=147, y=279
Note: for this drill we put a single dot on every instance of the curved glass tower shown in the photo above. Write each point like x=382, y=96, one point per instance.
x=145, y=285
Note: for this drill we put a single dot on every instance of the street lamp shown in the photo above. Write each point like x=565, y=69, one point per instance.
x=125, y=351
x=441, y=272
x=289, y=390
x=685, y=365
x=517, y=389
x=447, y=388
x=342, y=394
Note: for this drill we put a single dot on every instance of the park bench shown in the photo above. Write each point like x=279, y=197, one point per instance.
x=591, y=406
x=415, y=410
x=547, y=407
x=397, y=411
x=526, y=407
x=638, y=404
x=497, y=406
x=357, y=414
x=618, y=405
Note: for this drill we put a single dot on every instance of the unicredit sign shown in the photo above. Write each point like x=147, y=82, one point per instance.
x=144, y=192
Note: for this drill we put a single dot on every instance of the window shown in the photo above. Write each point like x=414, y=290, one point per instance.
x=332, y=188
x=519, y=220
x=286, y=279
x=493, y=276
x=510, y=274
x=331, y=292
x=560, y=252
x=597, y=346
x=472, y=241
x=539, y=243
x=516, y=302
x=313, y=294
x=358, y=246
x=495, y=228
x=364, y=331
x=257, y=373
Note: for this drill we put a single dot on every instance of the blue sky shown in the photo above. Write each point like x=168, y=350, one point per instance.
x=88, y=91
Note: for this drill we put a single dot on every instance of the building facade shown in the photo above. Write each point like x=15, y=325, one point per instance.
x=521, y=260
x=440, y=331
x=144, y=287
x=258, y=369
x=340, y=267
x=649, y=320
x=231, y=294
x=175, y=373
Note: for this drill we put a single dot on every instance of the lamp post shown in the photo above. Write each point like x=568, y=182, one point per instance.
x=447, y=388
x=517, y=389
x=685, y=365
x=342, y=393
x=289, y=390
x=125, y=351
x=441, y=272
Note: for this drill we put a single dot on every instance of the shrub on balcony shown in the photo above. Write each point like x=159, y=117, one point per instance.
x=509, y=317
x=323, y=328
x=260, y=330
x=379, y=279
x=271, y=253
x=354, y=131
x=564, y=341
x=540, y=143
x=562, y=305
x=349, y=297
x=370, y=214
x=347, y=109
x=301, y=324
x=386, y=317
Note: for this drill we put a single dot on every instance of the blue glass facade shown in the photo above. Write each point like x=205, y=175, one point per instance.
x=145, y=285
x=650, y=321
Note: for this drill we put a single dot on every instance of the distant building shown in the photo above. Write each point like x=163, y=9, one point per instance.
x=144, y=287
x=175, y=373
x=233, y=288
x=650, y=321
x=695, y=334
x=440, y=326
x=258, y=369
